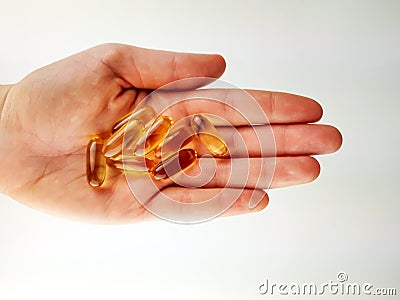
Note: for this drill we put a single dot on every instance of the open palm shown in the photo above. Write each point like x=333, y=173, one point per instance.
x=48, y=118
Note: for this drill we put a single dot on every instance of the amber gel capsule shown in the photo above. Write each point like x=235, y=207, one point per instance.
x=209, y=136
x=95, y=162
x=132, y=131
x=177, y=138
x=146, y=114
x=153, y=136
x=131, y=163
x=175, y=163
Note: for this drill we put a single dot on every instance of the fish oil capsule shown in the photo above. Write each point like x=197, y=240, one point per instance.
x=95, y=162
x=132, y=131
x=145, y=113
x=153, y=136
x=131, y=163
x=177, y=138
x=209, y=136
x=175, y=163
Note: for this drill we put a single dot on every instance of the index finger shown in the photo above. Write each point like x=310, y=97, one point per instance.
x=239, y=107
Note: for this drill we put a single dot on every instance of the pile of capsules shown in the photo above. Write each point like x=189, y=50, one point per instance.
x=139, y=142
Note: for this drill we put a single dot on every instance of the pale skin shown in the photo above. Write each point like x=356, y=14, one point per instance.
x=48, y=117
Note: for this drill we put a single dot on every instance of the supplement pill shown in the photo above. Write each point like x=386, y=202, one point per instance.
x=146, y=114
x=131, y=163
x=177, y=138
x=153, y=136
x=126, y=136
x=209, y=136
x=95, y=162
x=175, y=163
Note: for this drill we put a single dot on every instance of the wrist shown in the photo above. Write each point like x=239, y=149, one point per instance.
x=4, y=89
x=4, y=137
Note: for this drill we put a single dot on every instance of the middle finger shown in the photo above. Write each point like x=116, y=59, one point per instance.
x=290, y=140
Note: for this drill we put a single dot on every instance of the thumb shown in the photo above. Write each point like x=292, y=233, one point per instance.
x=150, y=69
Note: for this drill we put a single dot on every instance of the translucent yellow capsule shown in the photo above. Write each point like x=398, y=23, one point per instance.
x=175, y=163
x=95, y=162
x=177, y=138
x=132, y=131
x=131, y=163
x=153, y=136
x=209, y=136
x=145, y=113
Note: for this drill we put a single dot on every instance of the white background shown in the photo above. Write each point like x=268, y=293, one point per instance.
x=345, y=54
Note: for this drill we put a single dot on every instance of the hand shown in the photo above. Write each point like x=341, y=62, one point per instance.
x=49, y=116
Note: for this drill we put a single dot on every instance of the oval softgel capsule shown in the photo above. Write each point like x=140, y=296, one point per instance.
x=126, y=136
x=174, y=164
x=95, y=162
x=177, y=138
x=209, y=136
x=154, y=136
x=146, y=114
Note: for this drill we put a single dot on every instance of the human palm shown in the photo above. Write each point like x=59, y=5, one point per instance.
x=48, y=118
